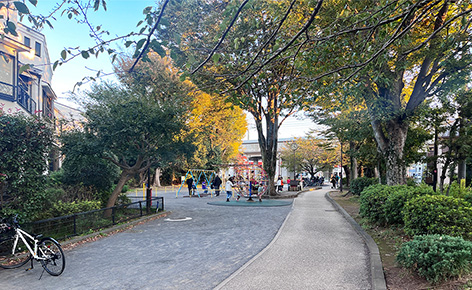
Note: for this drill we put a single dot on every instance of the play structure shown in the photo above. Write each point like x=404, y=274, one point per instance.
x=198, y=176
x=250, y=181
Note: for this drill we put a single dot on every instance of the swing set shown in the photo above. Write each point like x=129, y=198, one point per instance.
x=207, y=175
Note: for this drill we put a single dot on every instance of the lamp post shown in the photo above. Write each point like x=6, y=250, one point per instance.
x=294, y=147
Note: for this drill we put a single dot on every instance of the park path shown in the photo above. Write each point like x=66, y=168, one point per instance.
x=315, y=249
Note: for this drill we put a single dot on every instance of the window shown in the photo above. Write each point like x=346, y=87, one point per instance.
x=6, y=76
x=37, y=49
x=27, y=41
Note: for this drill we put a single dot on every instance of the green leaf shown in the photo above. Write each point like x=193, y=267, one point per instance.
x=23, y=68
x=85, y=54
x=96, y=5
x=55, y=65
x=140, y=43
x=64, y=54
x=147, y=10
x=216, y=57
x=156, y=46
x=21, y=7
x=34, y=2
x=128, y=43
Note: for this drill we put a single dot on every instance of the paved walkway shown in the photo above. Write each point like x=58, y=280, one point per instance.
x=315, y=249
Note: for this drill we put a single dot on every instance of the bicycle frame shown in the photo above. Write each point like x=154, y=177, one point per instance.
x=20, y=234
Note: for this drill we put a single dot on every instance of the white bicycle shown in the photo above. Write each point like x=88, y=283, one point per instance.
x=17, y=247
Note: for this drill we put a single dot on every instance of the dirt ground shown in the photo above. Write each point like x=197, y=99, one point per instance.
x=389, y=241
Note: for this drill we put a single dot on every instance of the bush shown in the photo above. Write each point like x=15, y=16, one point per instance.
x=438, y=214
x=61, y=208
x=393, y=208
x=372, y=202
x=357, y=185
x=437, y=257
x=456, y=190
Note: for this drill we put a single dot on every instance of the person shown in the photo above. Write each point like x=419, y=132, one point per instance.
x=288, y=183
x=216, y=185
x=190, y=185
x=337, y=179
x=333, y=181
x=204, y=187
x=279, y=184
x=229, y=188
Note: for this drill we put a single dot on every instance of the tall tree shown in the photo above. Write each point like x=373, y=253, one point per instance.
x=134, y=129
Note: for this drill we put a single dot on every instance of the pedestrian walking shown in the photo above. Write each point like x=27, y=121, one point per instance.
x=229, y=188
x=190, y=185
x=333, y=182
x=216, y=185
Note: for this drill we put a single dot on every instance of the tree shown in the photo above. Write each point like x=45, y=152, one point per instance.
x=134, y=128
x=83, y=163
x=214, y=126
x=270, y=96
x=25, y=144
x=312, y=155
x=394, y=68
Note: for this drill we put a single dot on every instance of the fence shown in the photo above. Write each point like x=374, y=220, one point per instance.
x=80, y=223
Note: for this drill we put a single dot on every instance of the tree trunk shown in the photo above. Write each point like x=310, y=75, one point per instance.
x=354, y=169
x=268, y=145
x=391, y=147
x=124, y=177
x=157, y=178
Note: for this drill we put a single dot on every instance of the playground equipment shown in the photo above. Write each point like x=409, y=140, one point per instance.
x=250, y=180
x=197, y=175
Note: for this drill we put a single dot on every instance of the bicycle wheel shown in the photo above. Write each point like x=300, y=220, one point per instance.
x=51, y=256
x=13, y=257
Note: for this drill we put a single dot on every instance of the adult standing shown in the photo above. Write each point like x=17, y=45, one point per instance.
x=216, y=185
x=190, y=185
x=229, y=188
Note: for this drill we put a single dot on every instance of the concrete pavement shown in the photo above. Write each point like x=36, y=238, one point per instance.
x=315, y=249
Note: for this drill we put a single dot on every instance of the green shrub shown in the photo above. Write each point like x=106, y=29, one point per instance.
x=393, y=208
x=61, y=208
x=456, y=190
x=437, y=257
x=372, y=201
x=357, y=185
x=438, y=214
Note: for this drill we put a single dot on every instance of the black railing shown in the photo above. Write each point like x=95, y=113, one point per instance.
x=81, y=223
x=25, y=100
x=22, y=97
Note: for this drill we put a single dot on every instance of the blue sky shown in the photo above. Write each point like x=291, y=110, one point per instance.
x=120, y=18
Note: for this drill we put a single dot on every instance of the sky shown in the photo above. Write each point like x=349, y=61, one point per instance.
x=120, y=18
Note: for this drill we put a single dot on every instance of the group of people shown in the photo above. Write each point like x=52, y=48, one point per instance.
x=215, y=184
x=334, y=180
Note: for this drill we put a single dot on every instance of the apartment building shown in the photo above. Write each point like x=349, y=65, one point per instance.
x=29, y=90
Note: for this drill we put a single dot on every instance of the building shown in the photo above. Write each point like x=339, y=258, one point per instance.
x=25, y=70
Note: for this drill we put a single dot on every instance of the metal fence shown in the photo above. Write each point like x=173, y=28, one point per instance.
x=86, y=222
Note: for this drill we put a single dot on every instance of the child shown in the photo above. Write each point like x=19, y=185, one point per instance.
x=229, y=188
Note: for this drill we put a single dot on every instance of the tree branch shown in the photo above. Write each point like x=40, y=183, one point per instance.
x=222, y=37
x=148, y=40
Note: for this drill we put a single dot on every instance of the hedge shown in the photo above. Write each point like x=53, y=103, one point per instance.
x=437, y=257
x=438, y=214
x=359, y=184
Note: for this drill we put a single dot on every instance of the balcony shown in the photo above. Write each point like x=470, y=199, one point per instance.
x=19, y=95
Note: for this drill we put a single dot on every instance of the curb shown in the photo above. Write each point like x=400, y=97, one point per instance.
x=108, y=231
x=376, y=269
